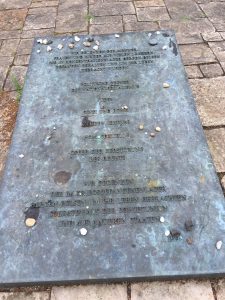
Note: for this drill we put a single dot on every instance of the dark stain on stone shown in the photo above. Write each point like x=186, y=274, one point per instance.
x=32, y=212
x=62, y=177
x=189, y=241
x=173, y=45
x=86, y=122
x=189, y=225
x=165, y=34
x=175, y=234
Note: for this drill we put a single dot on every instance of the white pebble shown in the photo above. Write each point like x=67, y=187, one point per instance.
x=146, y=132
x=158, y=129
x=60, y=46
x=166, y=85
x=36, y=195
x=54, y=128
x=71, y=46
x=149, y=34
x=167, y=233
x=95, y=47
x=21, y=156
x=49, y=49
x=158, y=32
x=117, y=35
x=76, y=38
x=219, y=245
x=83, y=231
x=162, y=219
x=87, y=207
x=87, y=44
x=97, y=43
x=39, y=41
x=38, y=51
x=165, y=47
x=45, y=41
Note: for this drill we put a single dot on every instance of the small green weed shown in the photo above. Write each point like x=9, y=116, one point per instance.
x=18, y=87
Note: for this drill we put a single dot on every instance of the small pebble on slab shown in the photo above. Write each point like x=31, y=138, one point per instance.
x=153, y=42
x=71, y=45
x=39, y=41
x=87, y=44
x=60, y=46
x=76, y=38
x=167, y=233
x=166, y=85
x=30, y=222
x=83, y=231
x=95, y=47
x=21, y=156
x=38, y=51
x=97, y=43
x=158, y=129
x=152, y=134
x=164, y=47
x=141, y=126
x=49, y=49
x=162, y=219
x=117, y=35
x=219, y=245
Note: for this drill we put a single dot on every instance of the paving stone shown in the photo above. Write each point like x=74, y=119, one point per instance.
x=209, y=95
x=222, y=34
x=152, y=14
x=12, y=19
x=183, y=9
x=40, y=18
x=67, y=6
x=193, y=72
x=9, y=47
x=141, y=26
x=106, y=20
x=211, y=70
x=196, y=54
x=188, y=31
x=215, y=11
x=8, y=112
x=104, y=9
x=24, y=296
x=13, y=4
x=21, y=60
x=106, y=28
x=212, y=36
x=25, y=46
x=219, y=50
x=148, y=3
x=106, y=1
x=188, y=290
x=216, y=141
x=5, y=63
x=44, y=4
x=13, y=34
x=130, y=18
x=4, y=146
x=26, y=34
x=17, y=73
x=92, y=292
x=71, y=22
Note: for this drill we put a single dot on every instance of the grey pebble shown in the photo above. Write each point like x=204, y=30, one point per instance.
x=153, y=42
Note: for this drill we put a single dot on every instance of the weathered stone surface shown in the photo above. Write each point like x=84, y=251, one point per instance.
x=13, y=4
x=219, y=49
x=104, y=9
x=12, y=19
x=4, y=146
x=8, y=112
x=147, y=3
x=107, y=20
x=189, y=290
x=152, y=14
x=215, y=11
x=25, y=47
x=220, y=286
x=209, y=95
x=197, y=54
x=9, y=47
x=25, y=296
x=17, y=74
x=5, y=63
x=189, y=31
x=21, y=60
x=40, y=18
x=183, y=9
x=44, y=3
x=193, y=72
x=141, y=26
x=93, y=292
x=71, y=22
x=106, y=28
x=26, y=34
x=211, y=70
x=13, y=34
x=216, y=141
x=210, y=36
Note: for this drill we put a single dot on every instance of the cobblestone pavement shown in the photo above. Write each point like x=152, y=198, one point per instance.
x=200, y=30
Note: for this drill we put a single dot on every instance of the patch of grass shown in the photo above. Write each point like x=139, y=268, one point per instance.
x=89, y=17
x=18, y=87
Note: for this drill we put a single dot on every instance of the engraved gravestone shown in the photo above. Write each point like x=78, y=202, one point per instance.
x=109, y=176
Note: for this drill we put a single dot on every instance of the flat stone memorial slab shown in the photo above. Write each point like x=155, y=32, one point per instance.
x=109, y=176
